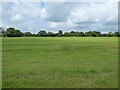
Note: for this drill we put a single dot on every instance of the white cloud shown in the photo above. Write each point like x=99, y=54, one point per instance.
x=57, y=12
x=70, y=23
x=81, y=16
x=43, y=13
x=53, y=25
x=17, y=18
x=26, y=9
x=95, y=16
x=61, y=15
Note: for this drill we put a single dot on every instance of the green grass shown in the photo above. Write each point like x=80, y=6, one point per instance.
x=60, y=62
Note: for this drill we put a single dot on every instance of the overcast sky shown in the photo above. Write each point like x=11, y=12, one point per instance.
x=66, y=16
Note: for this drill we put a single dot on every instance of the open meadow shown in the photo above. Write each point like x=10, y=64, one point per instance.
x=60, y=62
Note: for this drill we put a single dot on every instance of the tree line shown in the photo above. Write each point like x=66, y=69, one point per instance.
x=12, y=32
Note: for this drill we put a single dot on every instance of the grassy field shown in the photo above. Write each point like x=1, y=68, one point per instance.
x=60, y=62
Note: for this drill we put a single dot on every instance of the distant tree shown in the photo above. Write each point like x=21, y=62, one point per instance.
x=110, y=34
x=76, y=34
x=34, y=35
x=105, y=35
x=117, y=34
x=81, y=34
x=27, y=34
x=10, y=32
x=66, y=34
x=17, y=33
x=50, y=34
x=55, y=34
x=60, y=32
x=42, y=33
x=88, y=33
x=93, y=33
x=72, y=33
x=4, y=33
x=1, y=31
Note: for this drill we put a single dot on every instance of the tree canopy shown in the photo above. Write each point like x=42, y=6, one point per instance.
x=12, y=32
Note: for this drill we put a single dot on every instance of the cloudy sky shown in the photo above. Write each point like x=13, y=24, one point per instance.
x=67, y=16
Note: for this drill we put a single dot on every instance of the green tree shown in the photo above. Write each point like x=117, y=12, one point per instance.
x=111, y=34
x=67, y=34
x=72, y=33
x=92, y=33
x=10, y=32
x=81, y=34
x=88, y=33
x=4, y=33
x=95, y=33
x=42, y=33
x=117, y=34
x=34, y=35
x=17, y=33
x=27, y=34
x=50, y=34
x=1, y=31
x=60, y=32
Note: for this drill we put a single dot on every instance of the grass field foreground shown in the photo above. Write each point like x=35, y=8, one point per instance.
x=60, y=62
